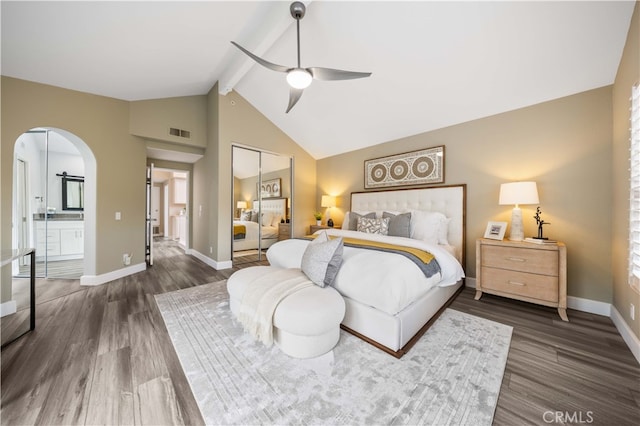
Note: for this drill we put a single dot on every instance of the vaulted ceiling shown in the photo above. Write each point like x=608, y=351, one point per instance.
x=434, y=64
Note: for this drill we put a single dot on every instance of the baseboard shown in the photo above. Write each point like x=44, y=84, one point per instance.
x=8, y=308
x=470, y=282
x=227, y=264
x=588, y=305
x=626, y=332
x=90, y=280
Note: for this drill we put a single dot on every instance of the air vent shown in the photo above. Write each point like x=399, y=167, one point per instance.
x=180, y=133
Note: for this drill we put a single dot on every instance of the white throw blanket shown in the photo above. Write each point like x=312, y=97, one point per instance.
x=263, y=295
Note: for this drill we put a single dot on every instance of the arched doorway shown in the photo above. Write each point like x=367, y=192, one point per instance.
x=54, y=202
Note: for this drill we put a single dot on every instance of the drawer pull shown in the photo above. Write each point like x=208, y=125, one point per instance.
x=516, y=259
x=516, y=283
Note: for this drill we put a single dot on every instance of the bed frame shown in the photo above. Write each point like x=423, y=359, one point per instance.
x=396, y=334
x=275, y=205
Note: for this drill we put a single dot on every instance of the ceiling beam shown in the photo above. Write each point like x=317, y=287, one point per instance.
x=260, y=33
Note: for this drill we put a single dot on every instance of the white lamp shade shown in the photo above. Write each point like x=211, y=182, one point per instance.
x=328, y=201
x=241, y=205
x=518, y=193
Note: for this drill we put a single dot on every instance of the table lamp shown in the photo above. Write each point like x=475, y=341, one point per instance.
x=241, y=206
x=328, y=201
x=518, y=193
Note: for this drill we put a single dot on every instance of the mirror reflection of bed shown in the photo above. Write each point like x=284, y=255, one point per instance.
x=262, y=184
x=260, y=223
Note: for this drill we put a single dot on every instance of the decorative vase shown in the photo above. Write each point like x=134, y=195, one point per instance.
x=319, y=222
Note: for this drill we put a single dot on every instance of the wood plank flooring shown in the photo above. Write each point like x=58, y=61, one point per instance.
x=102, y=355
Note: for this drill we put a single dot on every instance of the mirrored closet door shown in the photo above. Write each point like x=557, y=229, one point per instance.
x=262, y=192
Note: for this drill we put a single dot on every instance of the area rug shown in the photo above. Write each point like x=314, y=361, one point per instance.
x=451, y=376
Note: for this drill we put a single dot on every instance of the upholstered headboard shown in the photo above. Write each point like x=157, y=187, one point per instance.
x=277, y=206
x=448, y=200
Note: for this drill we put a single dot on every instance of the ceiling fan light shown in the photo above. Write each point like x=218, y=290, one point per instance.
x=299, y=78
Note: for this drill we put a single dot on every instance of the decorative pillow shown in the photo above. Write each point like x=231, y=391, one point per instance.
x=254, y=216
x=399, y=224
x=246, y=215
x=426, y=226
x=373, y=226
x=322, y=259
x=353, y=219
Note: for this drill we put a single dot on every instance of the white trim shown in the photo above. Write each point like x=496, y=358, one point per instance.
x=227, y=264
x=470, y=282
x=91, y=280
x=588, y=305
x=627, y=334
x=8, y=308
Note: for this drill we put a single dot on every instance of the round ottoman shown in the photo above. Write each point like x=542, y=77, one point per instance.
x=306, y=324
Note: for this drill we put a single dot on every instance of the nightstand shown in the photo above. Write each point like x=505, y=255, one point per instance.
x=284, y=231
x=314, y=228
x=531, y=272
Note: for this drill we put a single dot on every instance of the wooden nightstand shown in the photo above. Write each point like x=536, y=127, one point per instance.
x=535, y=273
x=314, y=228
x=284, y=231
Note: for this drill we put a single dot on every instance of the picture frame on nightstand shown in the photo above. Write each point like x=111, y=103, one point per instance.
x=495, y=230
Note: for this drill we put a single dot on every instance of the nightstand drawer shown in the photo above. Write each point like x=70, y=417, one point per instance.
x=521, y=259
x=541, y=287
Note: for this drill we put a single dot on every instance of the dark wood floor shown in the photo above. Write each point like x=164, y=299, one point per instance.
x=102, y=355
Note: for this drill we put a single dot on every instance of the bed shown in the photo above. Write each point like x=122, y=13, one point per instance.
x=393, y=317
x=246, y=233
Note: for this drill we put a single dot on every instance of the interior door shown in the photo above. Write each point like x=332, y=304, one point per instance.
x=148, y=216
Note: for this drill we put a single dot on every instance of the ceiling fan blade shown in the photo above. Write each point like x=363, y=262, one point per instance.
x=267, y=64
x=320, y=73
x=294, y=96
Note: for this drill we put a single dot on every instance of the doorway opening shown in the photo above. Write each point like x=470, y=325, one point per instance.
x=167, y=207
x=54, y=203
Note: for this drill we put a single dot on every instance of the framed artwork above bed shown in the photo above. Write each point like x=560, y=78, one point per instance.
x=271, y=188
x=422, y=167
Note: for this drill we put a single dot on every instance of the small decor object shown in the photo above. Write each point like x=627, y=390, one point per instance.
x=270, y=188
x=540, y=222
x=412, y=168
x=318, y=217
x=330, y=223
x=495, y=230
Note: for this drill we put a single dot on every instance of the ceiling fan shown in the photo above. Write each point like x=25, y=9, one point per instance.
x=300, y=78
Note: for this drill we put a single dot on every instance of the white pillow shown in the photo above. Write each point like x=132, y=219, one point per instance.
x=426, y=226
x=443, y=232
x=275, y=221
x=322, y=259
x=266, y=218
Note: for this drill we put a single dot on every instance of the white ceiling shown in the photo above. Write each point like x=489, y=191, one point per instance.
x=434, y=64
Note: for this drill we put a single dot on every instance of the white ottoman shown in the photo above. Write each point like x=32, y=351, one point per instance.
x=306, y=324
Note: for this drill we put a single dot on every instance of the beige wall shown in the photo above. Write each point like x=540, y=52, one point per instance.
x=103, y=124
x=628, y=75
x=153, y=118
x=563, y=145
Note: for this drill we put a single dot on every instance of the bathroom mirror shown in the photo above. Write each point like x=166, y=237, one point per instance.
x=72, y=193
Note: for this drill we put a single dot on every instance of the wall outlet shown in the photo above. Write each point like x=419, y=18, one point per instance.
x=126, y=259
x=632, y=311
x=210, y=250
x=118, y=216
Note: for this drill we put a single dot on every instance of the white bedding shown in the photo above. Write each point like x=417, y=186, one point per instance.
x=386, y=281
x=252, y=230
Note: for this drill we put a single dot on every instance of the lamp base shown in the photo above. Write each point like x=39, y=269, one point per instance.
x=517, y=228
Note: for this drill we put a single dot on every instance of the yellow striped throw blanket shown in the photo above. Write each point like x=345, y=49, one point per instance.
x=423, y=259
x=239, y=231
